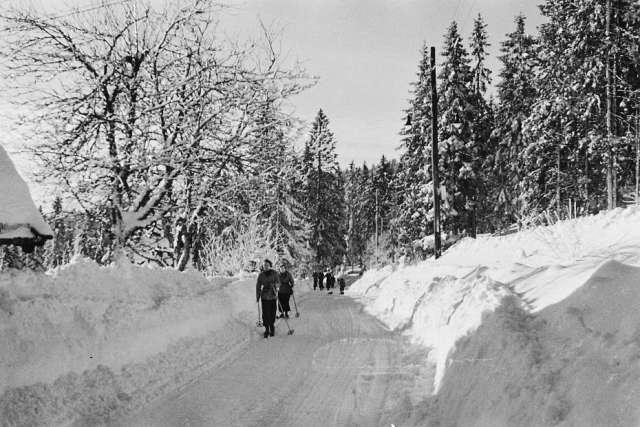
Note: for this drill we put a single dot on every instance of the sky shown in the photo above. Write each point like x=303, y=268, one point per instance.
x=365, y=54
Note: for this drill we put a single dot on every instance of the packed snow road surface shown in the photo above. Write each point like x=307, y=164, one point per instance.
x=341, y=367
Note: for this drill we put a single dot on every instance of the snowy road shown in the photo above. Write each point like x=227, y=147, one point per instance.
x=341, y=367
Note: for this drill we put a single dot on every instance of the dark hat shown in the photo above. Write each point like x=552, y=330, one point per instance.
x=268, y=261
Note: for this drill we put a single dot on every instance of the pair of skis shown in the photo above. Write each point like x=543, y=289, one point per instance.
x=290, y=332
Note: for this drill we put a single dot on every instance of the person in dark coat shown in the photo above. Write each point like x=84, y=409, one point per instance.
x=285, y=291
x=341, y=283
x=330, y=281
x=321, y=280
x=316, y=279
x=267, y=291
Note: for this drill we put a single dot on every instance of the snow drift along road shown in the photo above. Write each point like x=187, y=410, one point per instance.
x=574, y=363
x=438, y=302
x=85, y=339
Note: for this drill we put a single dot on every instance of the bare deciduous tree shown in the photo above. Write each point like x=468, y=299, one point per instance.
x=145, y=111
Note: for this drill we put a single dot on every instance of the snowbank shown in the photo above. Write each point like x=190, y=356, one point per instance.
x=19, y=217
x=84, y=319
x=574, y=363
x=438, y=302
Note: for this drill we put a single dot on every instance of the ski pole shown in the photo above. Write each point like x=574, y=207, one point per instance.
x=259, y=322
x=285, y=319
x=295, y=305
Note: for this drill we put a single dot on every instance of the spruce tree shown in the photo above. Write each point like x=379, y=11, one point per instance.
x=357, y=200
x=275, y=182
x=458, y=149
x=382, y=178
x=516, y=95
x=324, y=198
x=479, y=43
x=411, y=215
x=482, y=127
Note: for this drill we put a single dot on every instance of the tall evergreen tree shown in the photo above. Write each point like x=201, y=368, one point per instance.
x=278, y=176
x=358, y=204
x=479, y=43
x=411, y=215
x=324, y=199
x=458, y=149
x=482, y=127
x=382, y=179
x=516, y=95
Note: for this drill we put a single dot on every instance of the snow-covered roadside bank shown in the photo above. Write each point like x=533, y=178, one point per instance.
x=86, y=341
x=574, y=363
x=438, y=302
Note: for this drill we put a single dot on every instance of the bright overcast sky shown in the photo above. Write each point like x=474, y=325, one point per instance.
x=365, y=53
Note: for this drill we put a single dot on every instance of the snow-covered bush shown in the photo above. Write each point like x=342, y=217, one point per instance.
x=240, y=247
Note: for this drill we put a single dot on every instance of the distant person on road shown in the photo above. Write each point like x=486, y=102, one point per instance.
x=341, y=279
x=331, y=280
x=316, y=279
x=285, y=291
x=321, y=280
x=267, y=291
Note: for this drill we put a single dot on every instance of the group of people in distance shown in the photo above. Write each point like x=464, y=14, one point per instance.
x=275, y=290
x=327, y=280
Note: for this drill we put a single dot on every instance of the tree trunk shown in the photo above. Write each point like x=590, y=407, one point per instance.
x=558, y=179
x=610, y=178
x=637, y=160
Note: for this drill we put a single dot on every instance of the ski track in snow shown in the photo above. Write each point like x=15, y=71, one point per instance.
x=341, y=367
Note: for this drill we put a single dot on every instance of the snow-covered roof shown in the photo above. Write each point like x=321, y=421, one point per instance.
x=20, y=220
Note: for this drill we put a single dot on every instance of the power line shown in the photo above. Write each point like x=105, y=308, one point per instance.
x=88, y=9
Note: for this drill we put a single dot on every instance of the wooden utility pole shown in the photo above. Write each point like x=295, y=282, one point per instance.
x=558, y=166
x=610, y=175
x=637, y=159
x=376, y=226
x=434, y=157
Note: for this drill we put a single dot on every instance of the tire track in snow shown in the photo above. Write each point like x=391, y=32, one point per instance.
x=341, y=367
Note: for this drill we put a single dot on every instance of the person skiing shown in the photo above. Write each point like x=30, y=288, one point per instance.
x=285, y=291
x=266, y=290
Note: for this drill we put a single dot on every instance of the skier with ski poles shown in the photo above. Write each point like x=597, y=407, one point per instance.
x=285, y=291
x=266, y=290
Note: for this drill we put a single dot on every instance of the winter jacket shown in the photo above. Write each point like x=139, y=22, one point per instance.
x=330, y=280
x=267, y=285
x=286, y=283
